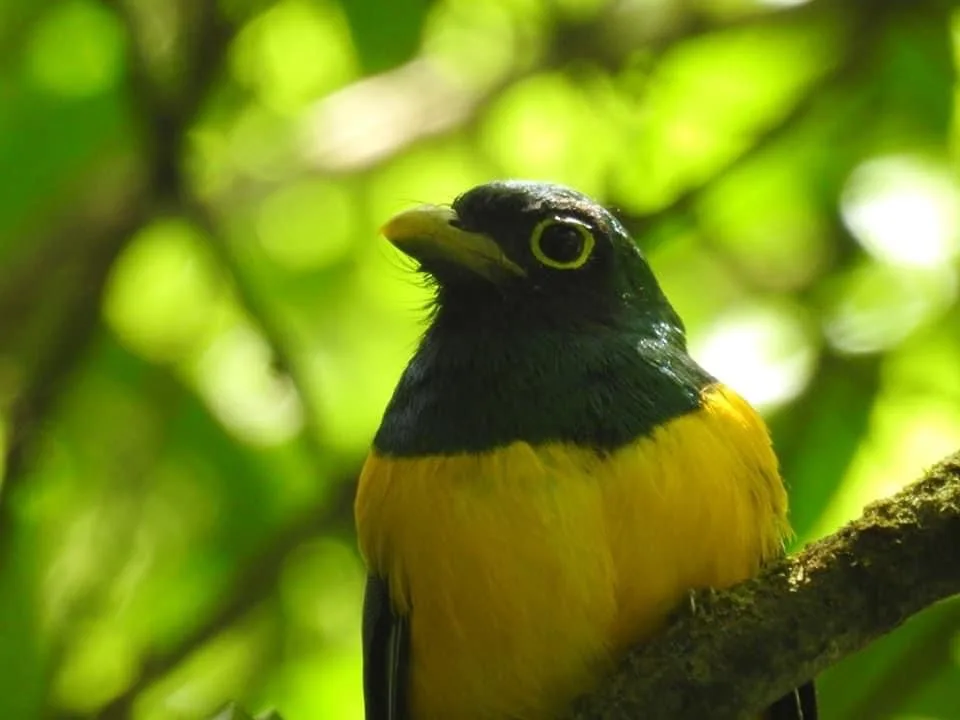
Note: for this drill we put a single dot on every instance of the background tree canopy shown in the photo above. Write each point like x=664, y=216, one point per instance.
x=199, y=326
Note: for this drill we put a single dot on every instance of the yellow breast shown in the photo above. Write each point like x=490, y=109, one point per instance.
x=528, y=570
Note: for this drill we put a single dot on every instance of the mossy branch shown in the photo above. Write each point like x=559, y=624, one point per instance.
x=733, y=652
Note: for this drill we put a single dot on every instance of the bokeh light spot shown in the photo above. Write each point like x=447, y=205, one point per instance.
x=221, y=668
x=708, y=98
x=904, y=210
x=478, y=41
x=164, y=294
x=323, y=685
x=76, y=50
x=908, y=432
x=874, y=307
x=546, y=127
x=307, y=226
x=320, y=587
x=236, y=377
x=295, y=52
x=782, y=3
x=764, y=217
x=99, y=665
x=764, y=351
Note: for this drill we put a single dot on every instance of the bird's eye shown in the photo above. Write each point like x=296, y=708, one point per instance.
x=561, y=244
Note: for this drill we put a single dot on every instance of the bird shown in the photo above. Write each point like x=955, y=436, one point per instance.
x=553, y=474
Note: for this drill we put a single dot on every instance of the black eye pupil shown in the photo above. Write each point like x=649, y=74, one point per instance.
x=561, y=243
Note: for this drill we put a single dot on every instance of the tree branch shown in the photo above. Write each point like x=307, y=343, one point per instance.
x=740, y=649
x=166, y=122
x=85, y=275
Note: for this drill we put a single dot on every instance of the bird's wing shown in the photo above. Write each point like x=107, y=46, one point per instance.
x=385, y=654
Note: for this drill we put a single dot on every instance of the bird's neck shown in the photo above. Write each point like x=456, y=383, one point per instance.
x=477, y=386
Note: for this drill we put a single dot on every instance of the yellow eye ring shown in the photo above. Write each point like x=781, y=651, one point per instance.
x=585, y=237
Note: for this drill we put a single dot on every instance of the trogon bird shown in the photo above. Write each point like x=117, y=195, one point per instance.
x=553, y=473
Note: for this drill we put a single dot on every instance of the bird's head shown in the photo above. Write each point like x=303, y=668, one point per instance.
x=535, y=255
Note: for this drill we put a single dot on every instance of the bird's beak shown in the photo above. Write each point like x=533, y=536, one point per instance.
x=430, y=234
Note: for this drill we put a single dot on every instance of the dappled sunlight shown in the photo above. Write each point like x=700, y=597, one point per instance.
x=76, y=565
x=166, y=299
x=547, y=127
x=374, y=118
x=350, y=373
x=321, y=684
x=482, y=43
x=766, y=218
x=201, y=324
x=289, y=218
x=319, y=587
x=236, y=377
x=874, y=307
x=99, y=665
x=905, y=211
x=908, y=433
x=221, y=669
x=781, y=3
x=293, y=52
x=765, y=352
x=77, y=50
x=706, y=99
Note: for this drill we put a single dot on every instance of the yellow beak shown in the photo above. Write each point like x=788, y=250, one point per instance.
x=429, y=233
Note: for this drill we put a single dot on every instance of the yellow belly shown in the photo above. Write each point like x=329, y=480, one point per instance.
x=528, y=570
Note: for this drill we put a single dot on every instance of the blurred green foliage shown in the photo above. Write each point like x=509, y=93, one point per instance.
x=199, y=326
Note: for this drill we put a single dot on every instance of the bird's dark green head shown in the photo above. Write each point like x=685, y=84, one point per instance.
x=542, y=254
x=549, y=327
